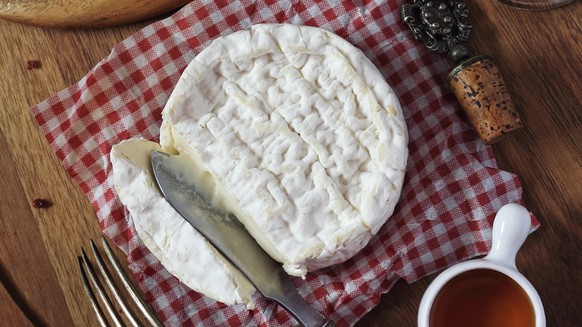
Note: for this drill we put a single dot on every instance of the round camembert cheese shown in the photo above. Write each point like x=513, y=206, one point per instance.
x=301, y=136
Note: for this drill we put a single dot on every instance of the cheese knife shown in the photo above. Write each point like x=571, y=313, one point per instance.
x=229, y=237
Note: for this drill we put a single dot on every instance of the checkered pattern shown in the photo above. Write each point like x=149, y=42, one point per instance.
x=452, y=187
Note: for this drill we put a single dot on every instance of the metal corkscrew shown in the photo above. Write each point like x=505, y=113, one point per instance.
x=443, y=27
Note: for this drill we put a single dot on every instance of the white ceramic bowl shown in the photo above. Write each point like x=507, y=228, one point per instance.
x=510, y=229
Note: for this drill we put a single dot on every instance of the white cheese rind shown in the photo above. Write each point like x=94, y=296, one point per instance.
x=180, y=248
x=303, y=134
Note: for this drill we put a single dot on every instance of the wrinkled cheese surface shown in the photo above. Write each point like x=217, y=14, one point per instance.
x=302, y=132
x=304, y=142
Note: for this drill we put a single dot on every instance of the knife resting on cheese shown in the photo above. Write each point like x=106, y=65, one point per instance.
x=228, y=236
x=295, y=132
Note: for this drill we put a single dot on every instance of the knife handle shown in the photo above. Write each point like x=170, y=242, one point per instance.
x=288, y=297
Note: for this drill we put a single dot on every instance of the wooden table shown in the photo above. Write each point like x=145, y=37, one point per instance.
x=539, y=53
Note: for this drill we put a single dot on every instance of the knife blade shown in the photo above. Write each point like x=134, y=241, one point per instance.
x=229, y=236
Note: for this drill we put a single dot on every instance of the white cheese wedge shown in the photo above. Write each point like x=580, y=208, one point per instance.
x=180, y=248
x=303, y=137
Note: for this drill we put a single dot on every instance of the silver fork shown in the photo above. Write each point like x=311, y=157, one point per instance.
x=89, y=276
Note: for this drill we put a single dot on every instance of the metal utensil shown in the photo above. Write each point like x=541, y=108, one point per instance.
x=228, y=235
x=89, y=277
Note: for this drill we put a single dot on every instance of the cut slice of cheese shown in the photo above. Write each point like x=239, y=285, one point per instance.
x=301, y=133
x=180, y=248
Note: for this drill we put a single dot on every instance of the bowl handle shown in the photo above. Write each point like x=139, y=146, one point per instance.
x=511, y=226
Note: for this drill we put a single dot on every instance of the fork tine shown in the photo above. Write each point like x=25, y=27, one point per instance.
x=91, y=295
x=145, y=309
x=114, y=290
x=106, y=301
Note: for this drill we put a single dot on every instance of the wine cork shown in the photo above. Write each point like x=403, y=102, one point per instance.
x=480, y=89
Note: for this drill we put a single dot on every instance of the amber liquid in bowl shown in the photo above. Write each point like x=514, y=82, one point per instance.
x=482, y=298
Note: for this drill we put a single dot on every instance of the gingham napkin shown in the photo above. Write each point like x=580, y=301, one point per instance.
x=452, y=188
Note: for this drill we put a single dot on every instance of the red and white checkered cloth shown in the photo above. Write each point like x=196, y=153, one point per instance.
x=452, y=188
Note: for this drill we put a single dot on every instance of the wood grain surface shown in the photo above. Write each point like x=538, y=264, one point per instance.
x=539, y=54
x=86, y=14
